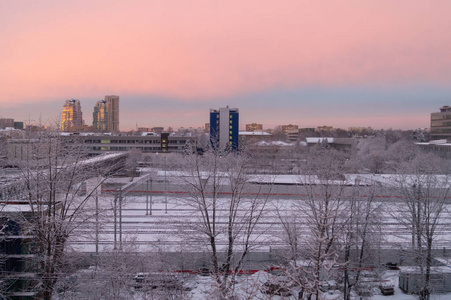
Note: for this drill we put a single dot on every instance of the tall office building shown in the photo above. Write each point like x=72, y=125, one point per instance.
x=105, y=117
x=112, y=105
x=441, y=124
x=98, y=116
x=224, y=128
x=71, y=117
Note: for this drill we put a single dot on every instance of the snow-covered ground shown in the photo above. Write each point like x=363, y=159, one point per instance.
x=252, y=284
x=170, y=223
x=203, y=287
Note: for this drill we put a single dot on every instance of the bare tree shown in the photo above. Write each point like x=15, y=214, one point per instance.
x=4, y=228
x=52, y=177
x=3, y=149
x=400, y=152
x=371, y=154
x=133, y=158
x=362, y=230
x=278, y=134
x=424, y=191
x=322, y=211
x=227, y=217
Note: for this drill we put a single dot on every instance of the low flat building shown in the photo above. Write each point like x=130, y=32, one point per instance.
x=26, y=149
x=96, y=144
x=20, y=149
x=253, y=136
x=440, y=148
x=440, y=280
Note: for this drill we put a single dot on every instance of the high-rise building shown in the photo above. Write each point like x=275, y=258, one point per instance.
x=112, y=105
x=71, y=117
x=441, y=124
x=106, y=114
x=98, y=116
x=224, y=128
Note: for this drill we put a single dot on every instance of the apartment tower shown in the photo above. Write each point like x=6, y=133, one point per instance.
x=105, y=117
x=71, y=117
x=224, y=128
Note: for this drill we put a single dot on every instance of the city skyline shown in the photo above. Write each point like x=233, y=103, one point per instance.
x=382, y=64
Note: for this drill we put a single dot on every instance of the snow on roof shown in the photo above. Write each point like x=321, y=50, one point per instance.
x=149, y=134
x=434, y=143
x=10, y=129
x=350, y=179
x=202, y=174
x=434, y=269
x=13, y=208
x=102, y=157
x=316, y=140
x=274, y=143
x=254, y=133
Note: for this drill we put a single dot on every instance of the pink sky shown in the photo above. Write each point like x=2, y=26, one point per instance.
x=196, y=51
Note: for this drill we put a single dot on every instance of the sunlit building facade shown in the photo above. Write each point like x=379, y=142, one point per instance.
x=105, y=117
x=71, y=117
x=112, y=110
x=98, y=116
x=254, y=127
x=286, y=128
